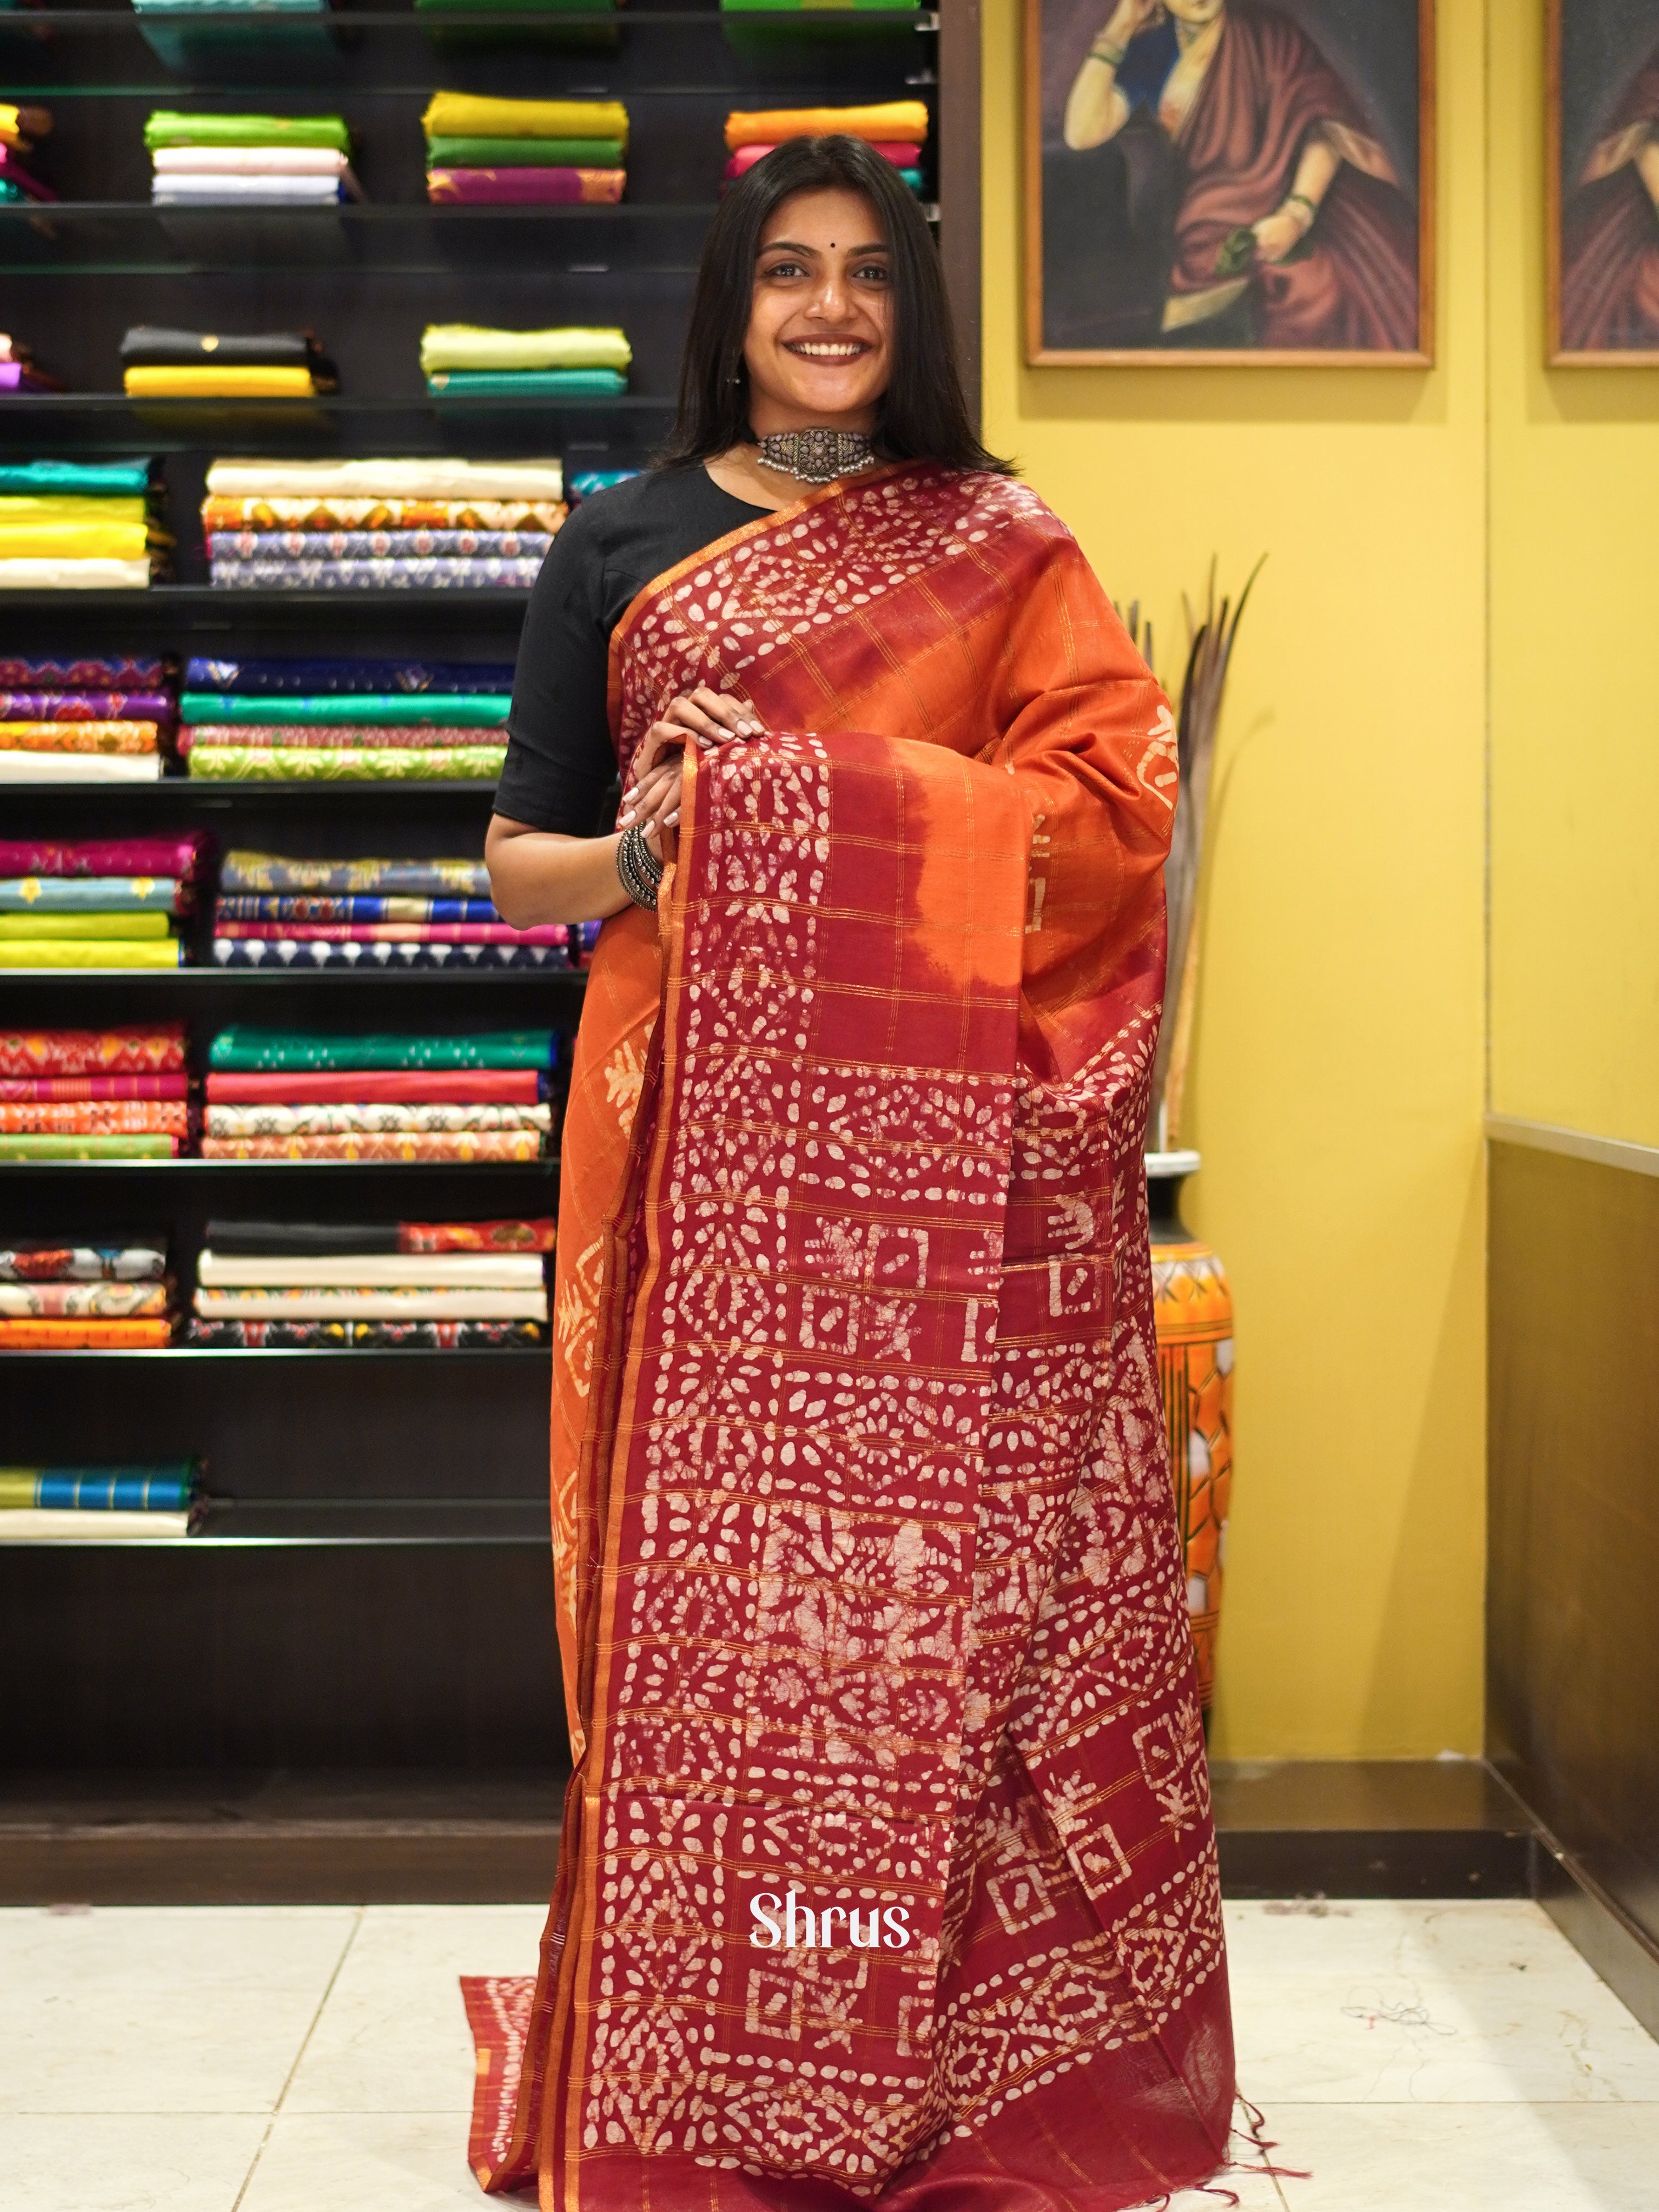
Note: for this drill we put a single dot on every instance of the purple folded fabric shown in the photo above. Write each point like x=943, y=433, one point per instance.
x=14, y=173
x=87, y=706
x=15, y=377
x=112, y=675
x=527, y=187
x=105, y=856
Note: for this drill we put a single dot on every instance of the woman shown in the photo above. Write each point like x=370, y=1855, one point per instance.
x=888, y=1873
x=1610, y=236
x=1291, y=229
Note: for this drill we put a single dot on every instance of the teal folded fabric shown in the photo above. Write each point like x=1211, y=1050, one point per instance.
x=547, y=383
x=472, y=710
x=88, y=893
x=74, y=475
x=248, y=1051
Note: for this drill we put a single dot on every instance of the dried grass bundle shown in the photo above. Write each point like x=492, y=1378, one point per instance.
x=1209, y=654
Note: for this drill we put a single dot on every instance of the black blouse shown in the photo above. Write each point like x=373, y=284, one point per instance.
x=560, y=760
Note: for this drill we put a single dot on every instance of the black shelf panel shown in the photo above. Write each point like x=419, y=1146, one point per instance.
x=396, y=238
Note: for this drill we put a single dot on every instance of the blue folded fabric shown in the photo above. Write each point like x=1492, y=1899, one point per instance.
x=166, y=1489
x=94, y=477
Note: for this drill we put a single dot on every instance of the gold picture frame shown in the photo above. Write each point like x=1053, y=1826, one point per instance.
x=1276, y=33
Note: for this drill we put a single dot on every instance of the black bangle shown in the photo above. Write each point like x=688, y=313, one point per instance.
x=639, y=868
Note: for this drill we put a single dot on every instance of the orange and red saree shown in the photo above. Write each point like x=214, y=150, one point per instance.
x=888, y=1874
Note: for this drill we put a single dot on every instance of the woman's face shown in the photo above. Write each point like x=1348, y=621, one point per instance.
x=819, y=348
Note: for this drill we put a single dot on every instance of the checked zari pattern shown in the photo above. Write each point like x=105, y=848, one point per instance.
x=872, y=1577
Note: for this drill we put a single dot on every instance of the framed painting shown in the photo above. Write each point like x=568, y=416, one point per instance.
x=1237, y=181
x=1602, y=182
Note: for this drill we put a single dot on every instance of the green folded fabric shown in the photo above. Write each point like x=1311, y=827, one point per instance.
x=336, y=764
x=294, y=1051
x=476, y=709
x=93, y=952
x=549, y=383
x=167, y=127
x=96, y=477
x=86, y=1148
x=30, y=928
x=525, y=153
x=473, y=346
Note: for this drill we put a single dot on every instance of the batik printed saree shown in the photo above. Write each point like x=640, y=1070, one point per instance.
x=871, y=1600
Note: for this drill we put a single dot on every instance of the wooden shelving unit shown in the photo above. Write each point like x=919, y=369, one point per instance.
x=372, y=1587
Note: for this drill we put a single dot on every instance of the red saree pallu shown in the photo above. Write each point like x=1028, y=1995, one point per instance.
x=888, y=1875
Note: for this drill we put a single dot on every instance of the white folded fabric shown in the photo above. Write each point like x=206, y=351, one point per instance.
x=374, y=1305
x=44, y=1524
x=439, y=477
x=427, y=1270
x=75, y=575
x=79, y=767
x=193, y=188
x=262, y=161
x=385, y=1117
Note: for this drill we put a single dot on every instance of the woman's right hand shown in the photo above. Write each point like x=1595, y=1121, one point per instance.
x=1129, y=19
x=709, y=717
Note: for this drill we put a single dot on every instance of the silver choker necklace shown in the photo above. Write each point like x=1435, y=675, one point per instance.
x=817, y=457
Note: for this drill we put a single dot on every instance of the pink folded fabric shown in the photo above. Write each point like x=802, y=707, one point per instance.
x=15, y=377
x=105, y=856
x=397, y=932
x=901, y=157
x=527, y=187
x=85, y=706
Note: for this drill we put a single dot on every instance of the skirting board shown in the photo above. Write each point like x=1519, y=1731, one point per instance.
x=1324, y=1829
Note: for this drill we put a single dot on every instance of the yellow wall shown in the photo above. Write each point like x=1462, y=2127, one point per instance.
x=1575, y=698
x=1338, y=1078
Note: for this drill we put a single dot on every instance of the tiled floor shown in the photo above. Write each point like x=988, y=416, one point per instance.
x=1414, y=2057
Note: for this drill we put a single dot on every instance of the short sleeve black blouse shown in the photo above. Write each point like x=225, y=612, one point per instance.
x=560, y=762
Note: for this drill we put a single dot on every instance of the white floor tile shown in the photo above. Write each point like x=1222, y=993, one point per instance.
x=365, y=2162
x=160, y=2009
x=127, y=2161
x=1468, y=2004
x=1469, y=2158
x=392, y=2036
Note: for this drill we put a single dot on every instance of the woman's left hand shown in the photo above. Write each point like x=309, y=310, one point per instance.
x=1277, y=234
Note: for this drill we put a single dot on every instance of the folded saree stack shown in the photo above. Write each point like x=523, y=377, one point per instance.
x=406, y=1286
x=462, y=359
x=896, y=130
x=164, y=364
x=430, y=525
x=273, y=912
x=525, y=153
x=114, y=1094
x=250, y=161
x=281, y=1095
x=19, y=372
x=360, y=721
x=20, y=127
x=97, y=1505
x=59, y=1295
x=85, y=525
x=108, y=903
x=108, y=720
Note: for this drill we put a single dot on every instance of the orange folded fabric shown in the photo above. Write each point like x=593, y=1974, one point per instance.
x=84, y=1336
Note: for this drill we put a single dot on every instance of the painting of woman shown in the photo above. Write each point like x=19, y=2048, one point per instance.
x=1216, y=183
x=1609, y=233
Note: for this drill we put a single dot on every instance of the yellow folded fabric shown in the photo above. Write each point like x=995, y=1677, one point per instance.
x=471, y=115
x=28, y=928
x=900, y=122
x=68, y=507
x=17, y=123
x=74, y=541
x=78, y=737
x=90, y=952
x=220, y=383
x=466, y=345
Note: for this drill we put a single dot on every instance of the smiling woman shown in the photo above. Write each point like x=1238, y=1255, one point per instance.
x=871, y=1601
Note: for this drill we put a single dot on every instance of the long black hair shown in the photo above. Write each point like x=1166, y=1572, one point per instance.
x=923, y=415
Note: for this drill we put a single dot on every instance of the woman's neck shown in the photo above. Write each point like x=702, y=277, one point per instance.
x=1188, y=35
